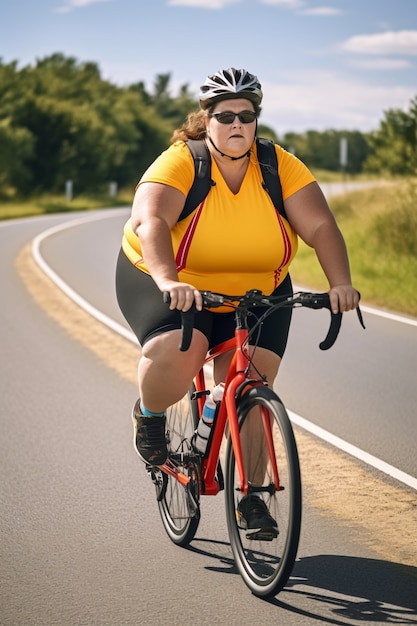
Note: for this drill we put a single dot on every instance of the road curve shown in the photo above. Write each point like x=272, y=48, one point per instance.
x=372, y=400
x=81, y=542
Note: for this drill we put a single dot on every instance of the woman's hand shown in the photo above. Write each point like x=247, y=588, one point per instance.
x=182, y=295
x=343, y=298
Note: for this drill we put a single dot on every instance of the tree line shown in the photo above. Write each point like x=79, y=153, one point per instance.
x=60, y=120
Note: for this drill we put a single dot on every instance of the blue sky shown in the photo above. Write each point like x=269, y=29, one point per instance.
x=322, y=63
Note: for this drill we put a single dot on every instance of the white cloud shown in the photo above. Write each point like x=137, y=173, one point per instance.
x=321, y=100
x=300, y=6
x=390, y=42
x=70, y=5
x=381, y=64
x=322, y=11
x=302, y=101
x=288, y=4
x=202, y=4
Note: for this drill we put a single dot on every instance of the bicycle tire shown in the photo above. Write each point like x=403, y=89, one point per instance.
x=265, y=566
x=179, y=506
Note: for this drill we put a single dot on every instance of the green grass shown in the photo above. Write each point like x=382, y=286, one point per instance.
x=379, y=226
x=380, y=229
x=325, y=176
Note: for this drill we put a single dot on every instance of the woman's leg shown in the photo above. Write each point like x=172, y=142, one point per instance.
x=164, y=373
x=266, y=363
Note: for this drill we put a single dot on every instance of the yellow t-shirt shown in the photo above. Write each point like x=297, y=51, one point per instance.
x=232, y=242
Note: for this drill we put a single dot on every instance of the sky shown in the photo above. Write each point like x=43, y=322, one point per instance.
x=322, y=64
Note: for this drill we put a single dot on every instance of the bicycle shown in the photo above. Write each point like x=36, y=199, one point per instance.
x=265, y=566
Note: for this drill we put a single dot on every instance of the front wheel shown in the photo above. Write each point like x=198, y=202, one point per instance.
x=266, y=435
x=178, y=505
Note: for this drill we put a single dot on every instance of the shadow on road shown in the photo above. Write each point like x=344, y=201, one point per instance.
x=351, y=588
x=364, y=590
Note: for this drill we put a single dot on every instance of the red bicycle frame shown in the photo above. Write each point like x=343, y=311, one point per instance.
x=236, y=377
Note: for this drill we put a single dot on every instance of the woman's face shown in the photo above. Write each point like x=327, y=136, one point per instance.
x=233, y=137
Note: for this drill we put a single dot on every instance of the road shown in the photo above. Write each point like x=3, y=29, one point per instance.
x=81, y=541
x=371, y=388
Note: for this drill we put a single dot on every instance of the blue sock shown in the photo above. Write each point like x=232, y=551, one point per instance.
x=145, y=411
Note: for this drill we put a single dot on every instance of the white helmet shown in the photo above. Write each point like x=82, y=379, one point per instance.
x=230, y=83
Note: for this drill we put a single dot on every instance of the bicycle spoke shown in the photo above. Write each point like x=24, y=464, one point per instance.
x=265, y=565
x=178, y=504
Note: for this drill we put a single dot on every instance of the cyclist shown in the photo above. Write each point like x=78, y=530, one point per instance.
x=234, y=241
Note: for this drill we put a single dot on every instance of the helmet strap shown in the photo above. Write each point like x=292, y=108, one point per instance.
x=223, y=154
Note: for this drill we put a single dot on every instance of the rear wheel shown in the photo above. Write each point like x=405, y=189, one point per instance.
x=266, y=565
x=178, y=505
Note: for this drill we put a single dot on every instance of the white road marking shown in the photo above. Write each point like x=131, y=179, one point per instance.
x=121, y=330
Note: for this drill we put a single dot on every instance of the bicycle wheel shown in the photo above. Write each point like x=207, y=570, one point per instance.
x=178, y=505
x=265, y=566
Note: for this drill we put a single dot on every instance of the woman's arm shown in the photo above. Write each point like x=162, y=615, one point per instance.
x=310, y=216
x=155, y=211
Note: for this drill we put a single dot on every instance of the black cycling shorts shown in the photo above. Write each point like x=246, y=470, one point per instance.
x=142, y=304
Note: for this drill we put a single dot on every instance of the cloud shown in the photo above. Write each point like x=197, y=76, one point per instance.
x=70, y=5
x=287, y=4
x=389, y=42
x=299, y=6
x=381, y=64
x=323, y=100
x=323, y=11
x=300, y=101
x=202, y=4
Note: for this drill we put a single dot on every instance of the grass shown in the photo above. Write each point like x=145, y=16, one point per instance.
x=325, y=176
x=380, y=228
x=379, y=225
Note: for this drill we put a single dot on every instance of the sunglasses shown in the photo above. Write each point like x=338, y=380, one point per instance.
x=228, y=117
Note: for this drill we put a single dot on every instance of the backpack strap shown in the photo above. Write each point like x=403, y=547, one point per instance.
x=268, y=162
x=202, y=177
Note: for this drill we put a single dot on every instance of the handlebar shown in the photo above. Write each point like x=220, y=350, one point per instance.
x=255, y=298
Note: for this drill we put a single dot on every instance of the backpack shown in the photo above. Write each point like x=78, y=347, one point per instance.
x=202, y=180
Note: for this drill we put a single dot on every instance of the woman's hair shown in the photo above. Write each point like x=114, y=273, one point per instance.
x=194, y=126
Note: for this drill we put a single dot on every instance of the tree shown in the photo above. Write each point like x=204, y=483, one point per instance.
x=321, y=150
x=61, y=121
x=394, y=146
x=16, y=142
x=16, y=148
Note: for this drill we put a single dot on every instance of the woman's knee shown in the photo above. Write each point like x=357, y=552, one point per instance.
x=264, y=362
x=164, y=349
x=221, y=366
x=267, y=363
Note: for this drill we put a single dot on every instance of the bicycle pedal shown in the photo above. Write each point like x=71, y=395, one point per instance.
x=154, y=474
x=262, y=535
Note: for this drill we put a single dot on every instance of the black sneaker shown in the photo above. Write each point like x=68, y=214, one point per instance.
x=149, y=437
x=253, y=517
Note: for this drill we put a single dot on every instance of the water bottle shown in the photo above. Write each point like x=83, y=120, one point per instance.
x=202, y=434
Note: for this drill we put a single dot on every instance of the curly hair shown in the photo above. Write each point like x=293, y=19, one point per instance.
x=193, y=127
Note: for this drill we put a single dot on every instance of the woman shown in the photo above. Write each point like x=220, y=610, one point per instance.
x=237, y=242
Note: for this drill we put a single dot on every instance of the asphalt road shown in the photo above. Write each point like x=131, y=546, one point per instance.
x=363, y=389
x=81, y=541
